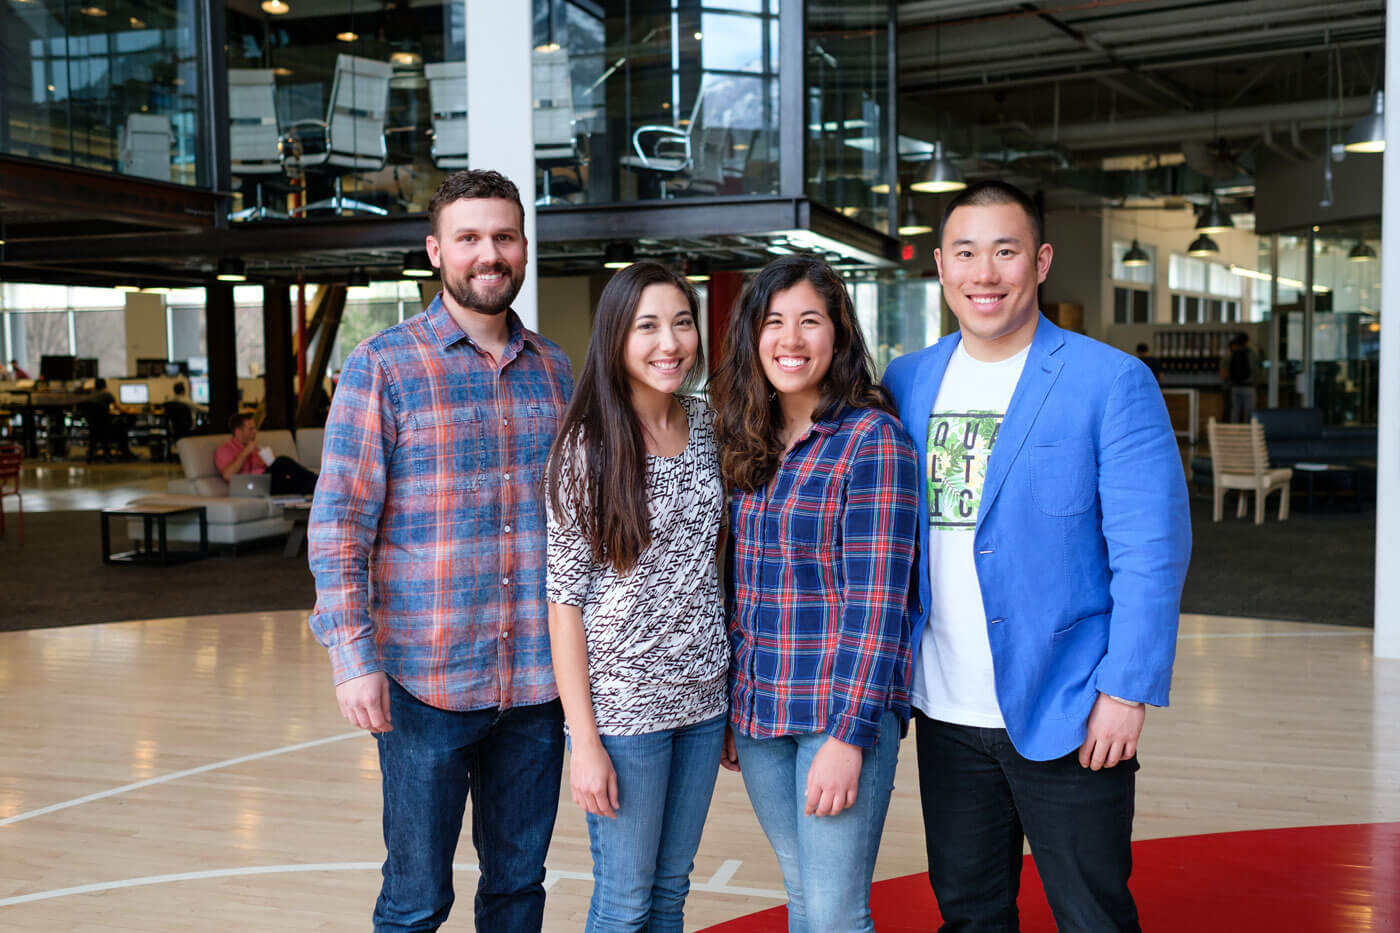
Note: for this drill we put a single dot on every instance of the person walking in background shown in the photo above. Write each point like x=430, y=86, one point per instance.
x=427, y=538
x=635, y=619
x=1237, y=372
x=1054, y=537
x=823, y=513
x=1150, y=361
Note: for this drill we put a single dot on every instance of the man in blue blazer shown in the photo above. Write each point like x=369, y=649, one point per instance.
x=1054, y=538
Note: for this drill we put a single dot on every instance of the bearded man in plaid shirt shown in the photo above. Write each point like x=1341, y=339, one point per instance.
x=427, y=539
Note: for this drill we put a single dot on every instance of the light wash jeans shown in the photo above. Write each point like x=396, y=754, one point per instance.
x=642, y=857
x=827, y=861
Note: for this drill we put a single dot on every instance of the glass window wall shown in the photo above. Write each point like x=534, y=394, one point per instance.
x=648, y=99
x=344, y=106
x=104, y=85
x=849, y=107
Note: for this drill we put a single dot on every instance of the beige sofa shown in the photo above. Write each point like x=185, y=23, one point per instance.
x=232, y=520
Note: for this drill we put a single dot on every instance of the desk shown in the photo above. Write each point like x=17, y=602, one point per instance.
x=154, y=518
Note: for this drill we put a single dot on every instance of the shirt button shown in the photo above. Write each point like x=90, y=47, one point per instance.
x=505, y=634
x=505, y=581
x=507, y=476
x=506, y=529
x=505, y=421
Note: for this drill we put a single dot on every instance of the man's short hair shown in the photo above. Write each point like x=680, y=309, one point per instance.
x=1142, y=348
x=473, y=183
x=236, y=420
x=1238, y=340
x=992, y=192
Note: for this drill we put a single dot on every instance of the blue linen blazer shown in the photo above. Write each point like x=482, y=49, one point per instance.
x=1083, y=536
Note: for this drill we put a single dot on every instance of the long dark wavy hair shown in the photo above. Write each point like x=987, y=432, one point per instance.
x=749, y=417
x=597, y=469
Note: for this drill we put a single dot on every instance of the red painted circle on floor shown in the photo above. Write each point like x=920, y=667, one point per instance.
x=1322, y=879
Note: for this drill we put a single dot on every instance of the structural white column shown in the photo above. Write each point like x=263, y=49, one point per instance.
x=500, y=112
x=145, y=329
x=1388, y=461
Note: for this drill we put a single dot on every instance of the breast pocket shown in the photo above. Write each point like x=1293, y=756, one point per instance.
x=1064, y=476
x=541, y=424
x=448, y=450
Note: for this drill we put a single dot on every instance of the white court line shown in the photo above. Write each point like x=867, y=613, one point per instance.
x=725, y=871
x=1327, y=633
x=176, y=775
x=551, y=878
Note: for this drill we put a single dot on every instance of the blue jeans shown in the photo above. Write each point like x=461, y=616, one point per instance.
x=642, y=857
x=511, y=762
x=981, y=800
x=827, y=861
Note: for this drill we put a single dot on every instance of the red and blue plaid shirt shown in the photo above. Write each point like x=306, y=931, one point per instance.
x=819, y=578
x=427, y=533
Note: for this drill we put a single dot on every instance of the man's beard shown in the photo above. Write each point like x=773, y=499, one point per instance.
x=462, y=292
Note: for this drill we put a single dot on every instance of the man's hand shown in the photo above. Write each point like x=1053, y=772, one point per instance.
x=1114, y=727
x=364, y=701
x=729, y=757
x=833, y=778
x=592, y=780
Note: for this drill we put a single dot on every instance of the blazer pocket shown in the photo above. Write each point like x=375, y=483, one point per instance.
x=1064, y=476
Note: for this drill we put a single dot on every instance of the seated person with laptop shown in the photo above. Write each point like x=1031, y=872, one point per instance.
x=240, y=456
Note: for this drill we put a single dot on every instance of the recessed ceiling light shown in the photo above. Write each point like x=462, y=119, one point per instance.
x=276, y=7
x=93, y=11
x=136, y=23
x=282, y=71
x=347, y=36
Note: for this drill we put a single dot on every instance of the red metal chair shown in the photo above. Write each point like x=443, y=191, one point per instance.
x=11, y=455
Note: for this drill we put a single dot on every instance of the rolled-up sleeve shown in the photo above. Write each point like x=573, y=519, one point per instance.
x=361, y=434
x=878, y=526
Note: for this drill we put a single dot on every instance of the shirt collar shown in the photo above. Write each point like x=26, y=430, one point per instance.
x=448, y=332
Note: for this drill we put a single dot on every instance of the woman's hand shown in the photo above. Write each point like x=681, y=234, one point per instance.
x=592, y=780
x=729, y=758
x=833, y=778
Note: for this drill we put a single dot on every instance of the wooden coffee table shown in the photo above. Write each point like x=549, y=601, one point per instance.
x=155, y=549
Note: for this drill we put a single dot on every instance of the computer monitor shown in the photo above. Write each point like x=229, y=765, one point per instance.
x=146, y=367
x=134, y=393
x=57, y=368
x=199, y=390
x=85, y=367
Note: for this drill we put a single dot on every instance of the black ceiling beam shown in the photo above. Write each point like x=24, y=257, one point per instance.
x=31, y=186
x=280, y=239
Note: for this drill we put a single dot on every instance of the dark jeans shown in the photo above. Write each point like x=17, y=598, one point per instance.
x=290, y=478
x=981, y=800
x=511, y=763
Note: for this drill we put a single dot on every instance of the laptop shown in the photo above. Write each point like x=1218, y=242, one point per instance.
x=250, y=485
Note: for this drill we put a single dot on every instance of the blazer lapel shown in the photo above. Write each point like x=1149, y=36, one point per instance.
x=919, y=406
x=1037, y=378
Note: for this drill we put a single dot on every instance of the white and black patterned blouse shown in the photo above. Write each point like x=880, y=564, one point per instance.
x=658, y=653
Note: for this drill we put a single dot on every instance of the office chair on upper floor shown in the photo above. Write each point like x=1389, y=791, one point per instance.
x=447, y=99
x=255, y=144
x=144, y=146
x=684, y=160
x=556, y=142
x=351, y=138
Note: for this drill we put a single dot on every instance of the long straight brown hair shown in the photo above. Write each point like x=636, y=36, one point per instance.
x=597, y=470
x=748, y=417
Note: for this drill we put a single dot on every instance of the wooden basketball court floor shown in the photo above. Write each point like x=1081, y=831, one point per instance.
x=194, y=774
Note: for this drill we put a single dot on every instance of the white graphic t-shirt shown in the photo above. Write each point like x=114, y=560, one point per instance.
x=953, y=679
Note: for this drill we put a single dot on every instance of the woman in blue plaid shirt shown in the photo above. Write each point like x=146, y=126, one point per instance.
x=823, y=517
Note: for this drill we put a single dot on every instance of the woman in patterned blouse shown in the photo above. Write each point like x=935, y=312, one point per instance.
x=636, y=623
x=822, y=518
